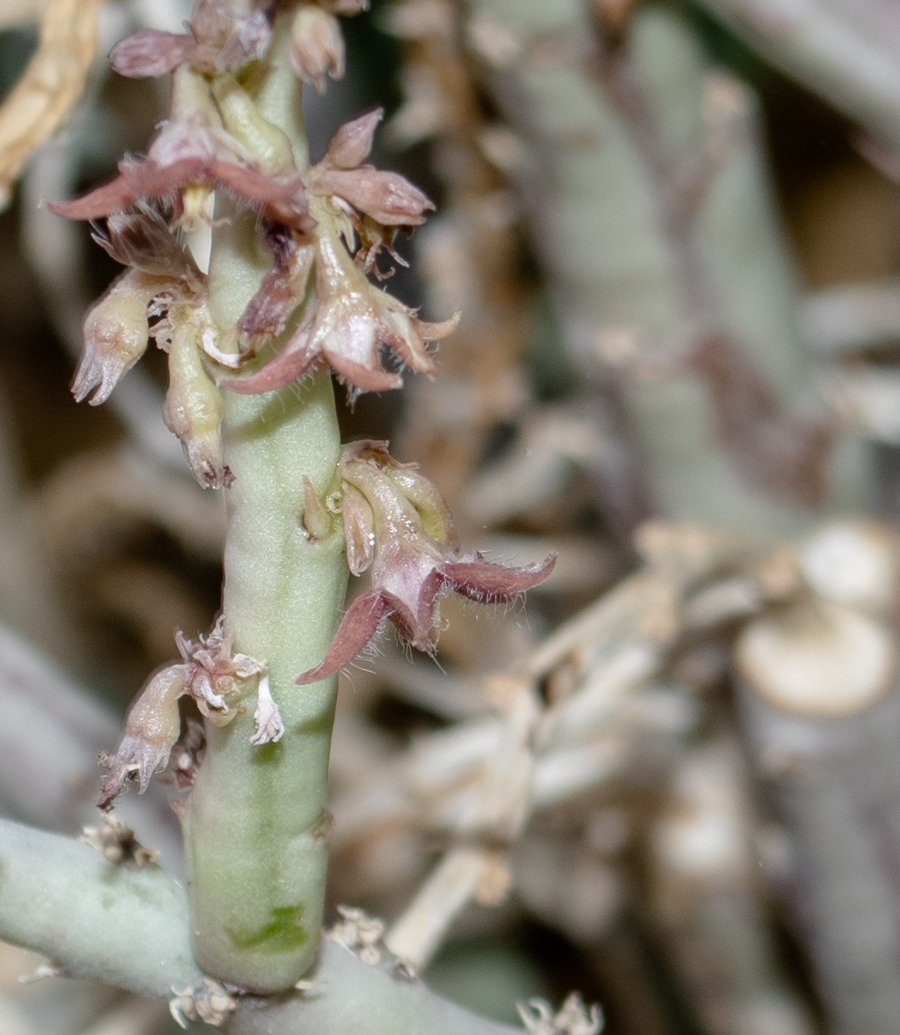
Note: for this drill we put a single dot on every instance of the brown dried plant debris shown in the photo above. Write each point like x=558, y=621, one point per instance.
x=51, y=86
x=116, y=842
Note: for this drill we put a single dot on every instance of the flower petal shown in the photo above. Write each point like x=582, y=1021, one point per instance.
x=478, y=579
x=148, y=53
x=387, y=197
x=356, y=630
x=137, y=181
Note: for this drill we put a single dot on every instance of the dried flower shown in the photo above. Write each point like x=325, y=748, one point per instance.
x=210, y=673
x=195, y=146
x=397, y=524
x=115, y=335
x=387, y=197
x=352, y=319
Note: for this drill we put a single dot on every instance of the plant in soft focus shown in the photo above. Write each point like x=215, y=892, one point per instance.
x=252, y=342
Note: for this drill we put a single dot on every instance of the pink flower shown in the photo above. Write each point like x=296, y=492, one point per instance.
x=217, y=40
x=351, y=320
x=387, y=197
x=195, y=146
x=397, y=525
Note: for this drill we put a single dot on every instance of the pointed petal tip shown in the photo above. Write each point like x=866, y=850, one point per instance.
x=357, y=628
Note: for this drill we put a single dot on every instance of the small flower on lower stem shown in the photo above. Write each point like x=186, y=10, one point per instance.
x=398, y=526
x=212, y=674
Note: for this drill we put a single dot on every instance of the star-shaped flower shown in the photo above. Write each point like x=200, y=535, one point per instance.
x=397, y=525
x=352, y=319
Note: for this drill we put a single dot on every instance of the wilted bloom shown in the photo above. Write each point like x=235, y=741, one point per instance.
x=205, y=142
x=211, y=674
x=116, y=329
x=387, y=197
x=351, y=320
x=217, y=40
x=283, y=288
x=317, y=46
x=397, y=525
x=116, y=334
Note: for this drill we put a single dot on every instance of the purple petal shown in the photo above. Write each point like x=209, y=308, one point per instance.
x=480, y=580
x=138, y=180
x=292, y=362
x=356, y=630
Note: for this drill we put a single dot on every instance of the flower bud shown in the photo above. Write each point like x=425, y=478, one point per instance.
x=317, y=46
x=193, y=409
x=352, y=143
x=151, y=731
x=115, y=335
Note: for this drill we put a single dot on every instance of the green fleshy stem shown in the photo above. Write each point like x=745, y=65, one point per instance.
x=255, y=832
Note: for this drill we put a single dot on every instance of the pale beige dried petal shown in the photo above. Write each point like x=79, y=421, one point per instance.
x=151, y=731
x=317, y=46
x=115, y=334
x=51, y=86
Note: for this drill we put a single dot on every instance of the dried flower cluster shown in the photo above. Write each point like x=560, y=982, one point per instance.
x=325, y=226
x=314, y=309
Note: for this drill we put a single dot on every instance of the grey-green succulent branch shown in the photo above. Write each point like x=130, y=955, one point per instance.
x=252, y=340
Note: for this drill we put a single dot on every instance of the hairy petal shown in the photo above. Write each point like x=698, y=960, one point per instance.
x=293, y=362
x=357, y=628
x=137, y=181
x=474, y=577
x=142, y=239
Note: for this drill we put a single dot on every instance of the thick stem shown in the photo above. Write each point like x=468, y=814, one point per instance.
x=128, y=927
x=256, y=829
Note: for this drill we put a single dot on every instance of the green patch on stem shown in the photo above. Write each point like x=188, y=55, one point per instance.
x=283, y=933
